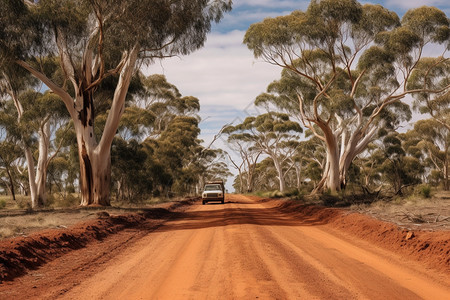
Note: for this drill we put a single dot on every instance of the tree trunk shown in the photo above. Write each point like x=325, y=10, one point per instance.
x=119, y=190
x=41, y=171
x=279, y=169
x=333, y=179
x=95, y=168
x=251, y=172
x=249, y=181
x=95, y=177
x=298, y=173
x=241, y=182
x=31, y=177
x=11, y=184
x=28, y=155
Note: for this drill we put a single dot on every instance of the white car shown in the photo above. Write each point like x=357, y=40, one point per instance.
x=213, y=191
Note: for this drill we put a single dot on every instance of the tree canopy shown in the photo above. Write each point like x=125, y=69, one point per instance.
x=346, y=68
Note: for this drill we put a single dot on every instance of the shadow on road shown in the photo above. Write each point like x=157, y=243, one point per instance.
x=226, y=216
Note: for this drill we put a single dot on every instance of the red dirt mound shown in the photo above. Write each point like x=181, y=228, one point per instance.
x=431, y=248
x=17, y=255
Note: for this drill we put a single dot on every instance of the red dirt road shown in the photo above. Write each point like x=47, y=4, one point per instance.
x=248, y=250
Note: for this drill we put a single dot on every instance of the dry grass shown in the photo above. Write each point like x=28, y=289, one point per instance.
x=413, y=212
x=23, y=224
x=17, y=219
x=6, y=202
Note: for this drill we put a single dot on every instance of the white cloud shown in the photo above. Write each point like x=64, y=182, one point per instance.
x=242, y=19
x=271, y=3
x=224, y=76
x=224, y=72
x=407, y=4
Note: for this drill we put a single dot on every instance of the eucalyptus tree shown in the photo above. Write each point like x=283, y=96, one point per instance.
x=368, y=163
x=133, y=179
x=28, y=115
x=43, y=115
x=248, y=156
x=344, y=64
x=265, y=177
x=153, y=104
x=309, y=160
x=95, y=40
x=398, y=169
x=273, y=134
x=175, y=151
x=434, y=144
x=165, y=102
x=13, y=83
x=432, y=74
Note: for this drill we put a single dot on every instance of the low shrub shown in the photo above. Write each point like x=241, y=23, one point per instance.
x=423, y=190
x=68, y=201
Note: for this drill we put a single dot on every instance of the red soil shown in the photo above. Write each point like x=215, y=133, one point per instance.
x=432, y=248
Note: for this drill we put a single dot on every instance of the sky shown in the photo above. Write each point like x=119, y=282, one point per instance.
x=225, y=76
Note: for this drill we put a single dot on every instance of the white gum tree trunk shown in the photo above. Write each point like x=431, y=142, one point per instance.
x=27, y=151
x=95, y=158
x=37, y=174
x=280, y=172
x=42, y=164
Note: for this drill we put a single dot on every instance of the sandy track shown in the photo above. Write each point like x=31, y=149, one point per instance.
x=245, y=250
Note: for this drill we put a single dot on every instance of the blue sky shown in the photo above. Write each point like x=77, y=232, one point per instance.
x=224, y=74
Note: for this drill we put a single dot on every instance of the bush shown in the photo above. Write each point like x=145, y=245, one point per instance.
x=68, y=201
x=50, y=201
x=423, y=190
x=276, y=194
x=292, y=193
x=2, y=204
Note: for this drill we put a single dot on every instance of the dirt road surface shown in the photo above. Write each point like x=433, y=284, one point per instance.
x=248, y=250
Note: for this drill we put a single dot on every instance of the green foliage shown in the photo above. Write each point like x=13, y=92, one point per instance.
x=429, y=23
x=25, y=28
x=423, y=190
x=373, y=57
x=341, y=62
x=429, y=141
x=128, y=167
x=2, y=204
x=402, y=41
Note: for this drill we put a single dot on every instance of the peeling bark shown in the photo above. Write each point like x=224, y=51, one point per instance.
x=95, y=159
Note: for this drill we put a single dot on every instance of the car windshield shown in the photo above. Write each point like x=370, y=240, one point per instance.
x=212, y=187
